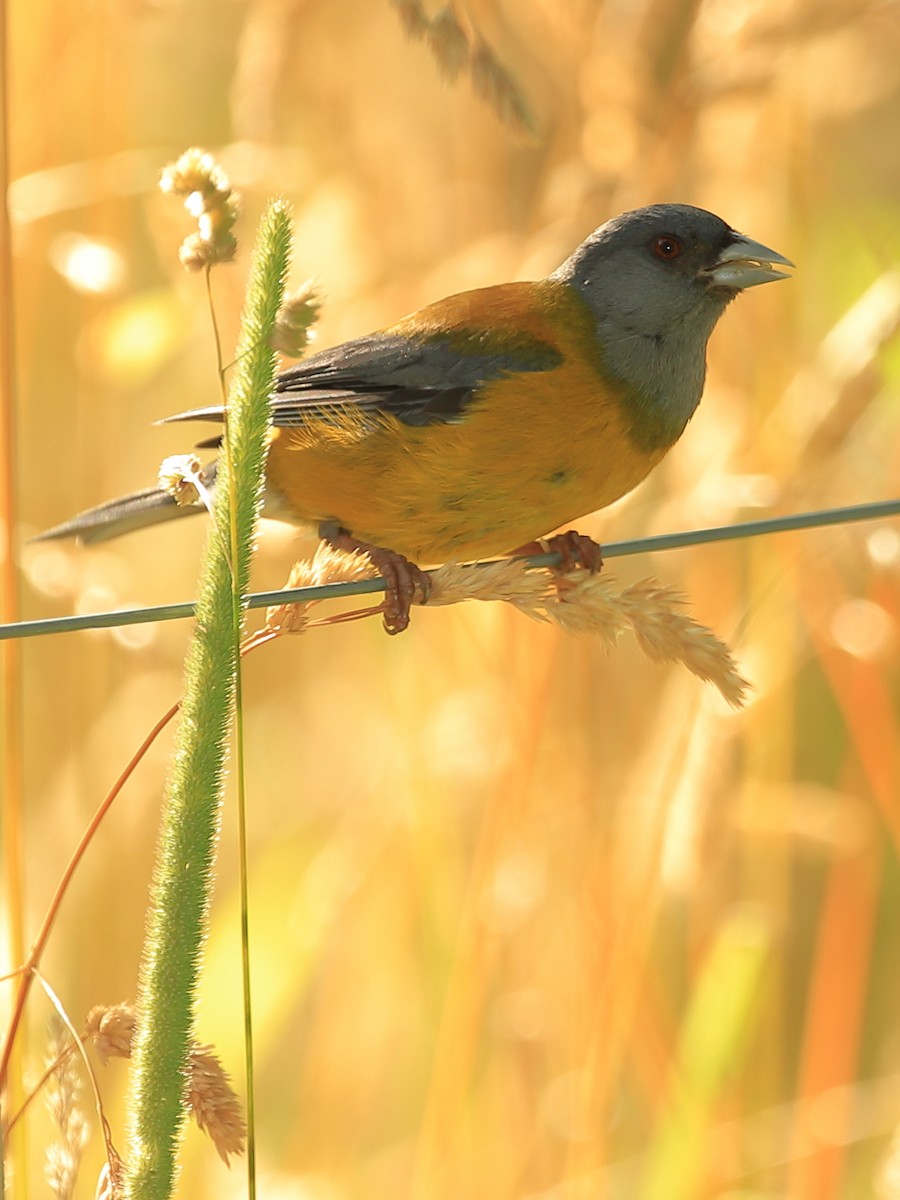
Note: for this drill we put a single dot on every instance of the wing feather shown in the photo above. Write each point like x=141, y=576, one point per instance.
x=431, y=381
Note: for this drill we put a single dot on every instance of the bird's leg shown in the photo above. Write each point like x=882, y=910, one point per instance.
x=405, y=584
x=574, y=549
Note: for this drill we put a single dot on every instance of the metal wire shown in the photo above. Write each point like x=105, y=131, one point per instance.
x=666, y=541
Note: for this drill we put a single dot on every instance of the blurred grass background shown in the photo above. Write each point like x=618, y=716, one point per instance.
x=528, y=920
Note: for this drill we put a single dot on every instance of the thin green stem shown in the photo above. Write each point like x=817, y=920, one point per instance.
x=237, y=625
x=217, y=338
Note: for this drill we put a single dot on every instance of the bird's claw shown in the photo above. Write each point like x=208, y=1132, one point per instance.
x=405, y=584
x=575, y=550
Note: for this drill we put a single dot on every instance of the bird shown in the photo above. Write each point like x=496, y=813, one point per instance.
x=476, y=426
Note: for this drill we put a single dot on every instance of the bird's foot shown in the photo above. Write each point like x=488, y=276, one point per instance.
x=574, y=549
x=405, y=584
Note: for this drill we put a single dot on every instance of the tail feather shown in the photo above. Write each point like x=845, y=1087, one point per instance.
x=152, y=506
x=137, y=511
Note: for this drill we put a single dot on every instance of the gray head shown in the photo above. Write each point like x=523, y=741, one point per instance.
x=657, y=280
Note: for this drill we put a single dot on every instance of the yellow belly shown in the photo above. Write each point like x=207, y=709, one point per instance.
x=532, y=453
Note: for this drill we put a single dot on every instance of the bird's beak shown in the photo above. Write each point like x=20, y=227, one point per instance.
x=745, y=263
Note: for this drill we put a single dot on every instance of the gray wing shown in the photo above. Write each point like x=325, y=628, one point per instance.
x=424, y=383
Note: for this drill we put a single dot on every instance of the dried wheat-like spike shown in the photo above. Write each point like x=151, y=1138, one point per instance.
x=413, y=17
x=497, y=87
x=199, y=250
x=588, y=604
x=63, y=1157
x=509, y=580
x=214, y=1103
x=661, y=629
x=210, y=201
x=294, y=323
x=179, y=475
x=449, y=43
x=666, y=634
x=577, y=602
x=110, y=1027
x=457, y=49
x=327, y=565
x=196, y=175
x=211, y=1098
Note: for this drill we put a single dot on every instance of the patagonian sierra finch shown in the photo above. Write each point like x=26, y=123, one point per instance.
x=491, y=418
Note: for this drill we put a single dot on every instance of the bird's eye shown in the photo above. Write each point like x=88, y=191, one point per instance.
x=666, y=247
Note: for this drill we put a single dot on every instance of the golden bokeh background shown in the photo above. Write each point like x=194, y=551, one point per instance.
x=529, y=919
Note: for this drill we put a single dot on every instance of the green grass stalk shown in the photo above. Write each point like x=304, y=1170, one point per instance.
x=183, y=874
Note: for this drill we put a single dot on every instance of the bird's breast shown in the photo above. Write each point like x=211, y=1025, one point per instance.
x=535, y=450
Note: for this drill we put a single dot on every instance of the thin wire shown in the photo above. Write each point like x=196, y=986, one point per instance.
x=818, y=519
